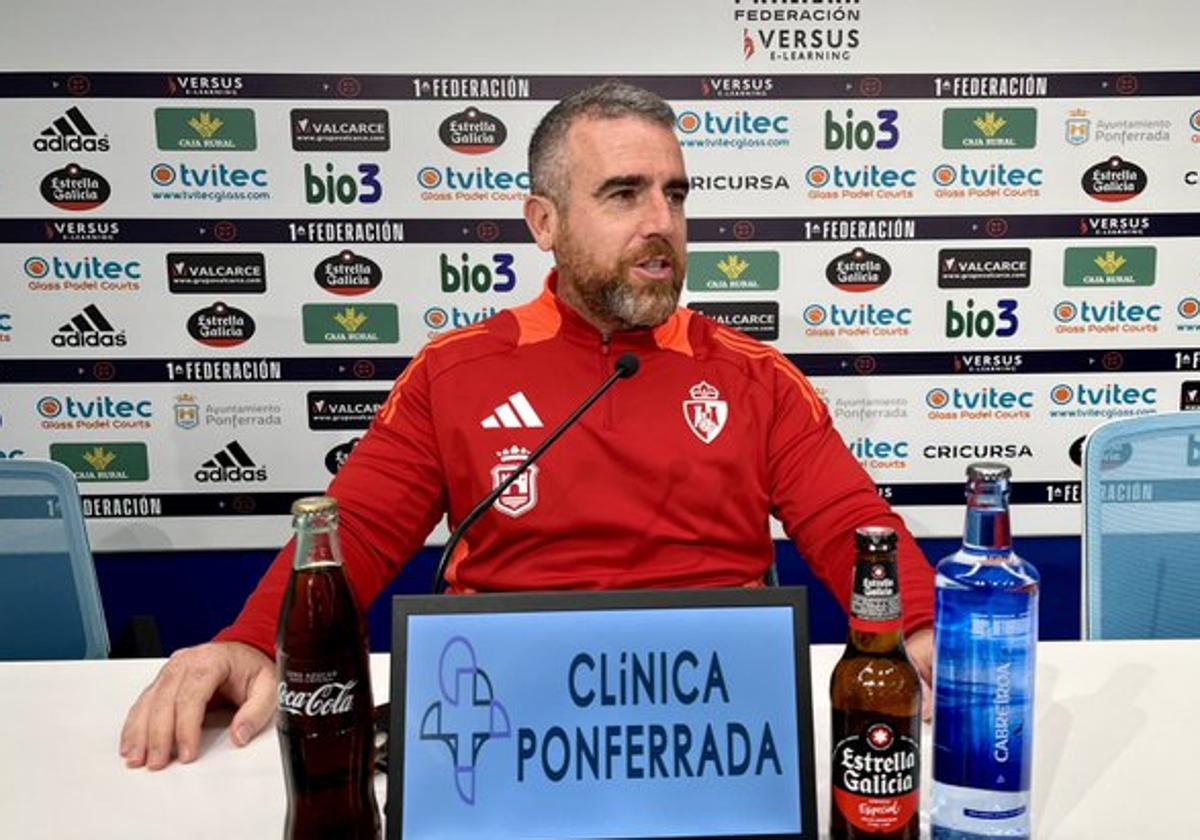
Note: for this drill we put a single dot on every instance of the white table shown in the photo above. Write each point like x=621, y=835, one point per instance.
x=1114, y=754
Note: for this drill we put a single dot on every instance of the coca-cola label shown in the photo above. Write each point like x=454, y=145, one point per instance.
x=875, y=599
x=299, y=696
x=876, y=771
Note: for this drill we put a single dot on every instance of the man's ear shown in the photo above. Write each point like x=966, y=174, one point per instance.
x=542, y=218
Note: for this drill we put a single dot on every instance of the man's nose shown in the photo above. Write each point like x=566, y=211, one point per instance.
x=658, y=215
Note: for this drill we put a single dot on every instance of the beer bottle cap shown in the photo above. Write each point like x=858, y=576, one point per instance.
x=874, y=538
x=310, y=505
x=988, y=471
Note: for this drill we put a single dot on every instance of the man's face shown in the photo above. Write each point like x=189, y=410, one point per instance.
x=621, y=244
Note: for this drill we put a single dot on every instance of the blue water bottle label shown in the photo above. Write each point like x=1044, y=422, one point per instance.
x=984, y=694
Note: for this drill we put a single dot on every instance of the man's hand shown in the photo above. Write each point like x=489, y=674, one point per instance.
x=167, y=716
x=920, y=652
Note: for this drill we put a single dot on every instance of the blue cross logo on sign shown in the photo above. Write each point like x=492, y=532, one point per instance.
x=467, y=716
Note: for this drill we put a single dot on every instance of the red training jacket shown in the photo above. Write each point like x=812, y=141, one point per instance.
x=667, y=481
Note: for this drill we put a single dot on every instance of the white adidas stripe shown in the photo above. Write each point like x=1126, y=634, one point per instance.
x=515, y=413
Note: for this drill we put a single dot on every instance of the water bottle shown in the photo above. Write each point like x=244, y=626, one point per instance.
x=985, y=628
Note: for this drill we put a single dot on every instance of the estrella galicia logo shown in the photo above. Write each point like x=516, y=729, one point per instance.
x=75, y=188
x=468, y=699
x=472, y=132
x=1114, y=180
x=348, y=273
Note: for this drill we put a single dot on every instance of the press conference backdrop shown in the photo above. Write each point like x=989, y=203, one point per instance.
x=974, y=228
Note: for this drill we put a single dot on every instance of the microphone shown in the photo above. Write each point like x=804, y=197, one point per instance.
x=625, y=367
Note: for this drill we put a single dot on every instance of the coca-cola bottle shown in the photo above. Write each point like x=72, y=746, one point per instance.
x=325, y=707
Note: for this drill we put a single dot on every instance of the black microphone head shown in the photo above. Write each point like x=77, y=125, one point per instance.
x=626, y=365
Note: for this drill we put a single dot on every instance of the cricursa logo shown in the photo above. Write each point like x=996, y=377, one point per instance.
x=1114, y=180
x=983, y=403
x=472, y=132
x=465, y=716
x=1108, y=400
x=739, y=130
x=75, y=188
x=869, y=181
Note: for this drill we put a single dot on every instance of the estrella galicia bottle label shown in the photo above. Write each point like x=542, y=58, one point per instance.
x=876, y=772
x=875, y=599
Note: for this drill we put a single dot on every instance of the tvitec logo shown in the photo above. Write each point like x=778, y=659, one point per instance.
x=832, y=320
x=467, y=276
x=739, y=130
x=102, y=412
x=465, y=715
x=984, y=403
x=880, y=454
x=1077, y=317
x=1108, y=400
x=483, y=183
x=1002, y=322
x=83, y=274
x=343, y=188
x=850, y=134
x=997, y=180
x=215, y=182
x=868, y=181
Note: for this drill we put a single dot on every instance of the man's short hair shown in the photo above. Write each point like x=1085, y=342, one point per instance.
x=607, y=100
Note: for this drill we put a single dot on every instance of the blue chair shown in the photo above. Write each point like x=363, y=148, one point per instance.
x=1141, y=528
x=49, y=600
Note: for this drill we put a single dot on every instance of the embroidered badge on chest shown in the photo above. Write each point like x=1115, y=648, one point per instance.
x=521, y=496
x=705, y=412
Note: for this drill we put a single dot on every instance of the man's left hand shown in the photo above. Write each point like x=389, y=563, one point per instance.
x=920, y=652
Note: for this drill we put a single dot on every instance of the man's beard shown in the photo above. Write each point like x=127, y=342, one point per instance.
x=608, y=292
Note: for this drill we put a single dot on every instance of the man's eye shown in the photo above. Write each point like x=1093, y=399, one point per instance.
x=623, y=195
x=677, y=197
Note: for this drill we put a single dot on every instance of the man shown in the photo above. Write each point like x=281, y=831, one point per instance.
x=668, y=481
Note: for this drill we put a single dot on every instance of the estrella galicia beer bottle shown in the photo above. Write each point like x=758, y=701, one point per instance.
x=325, y=708
x=875, y=695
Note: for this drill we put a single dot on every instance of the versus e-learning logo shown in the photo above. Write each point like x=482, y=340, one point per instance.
x=739, y=130
x=215, y=182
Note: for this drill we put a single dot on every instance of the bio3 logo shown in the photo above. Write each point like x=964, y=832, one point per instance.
x=982, y=323
x=850, y=133
x=478, y=277
x=335, y=187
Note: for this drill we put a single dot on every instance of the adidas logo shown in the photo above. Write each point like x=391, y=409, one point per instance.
x=231, y=464
x=514, y=413
x=89, y=329
x=71, y=133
